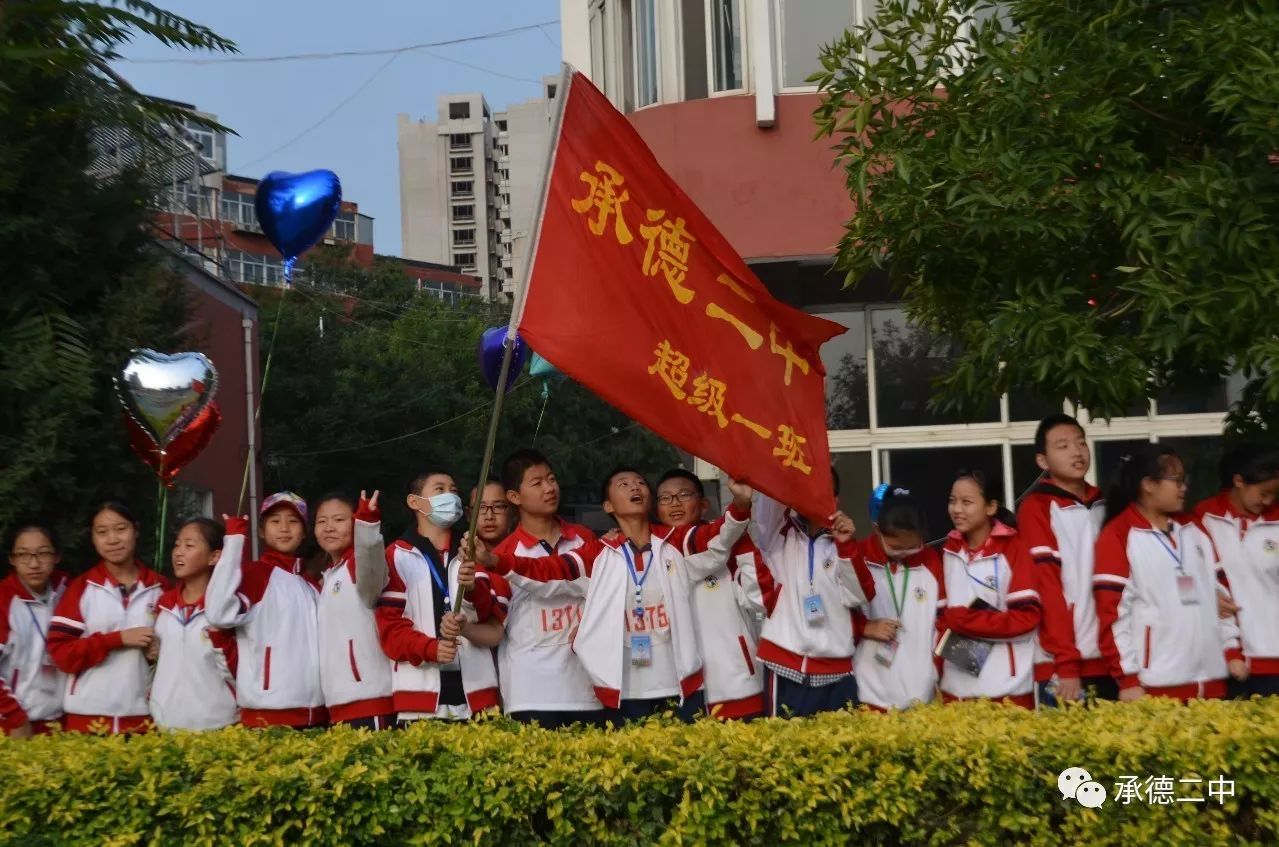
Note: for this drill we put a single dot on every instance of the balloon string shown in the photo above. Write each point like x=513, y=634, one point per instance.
x=162, y=507
x=266, y=374
x=546, y=398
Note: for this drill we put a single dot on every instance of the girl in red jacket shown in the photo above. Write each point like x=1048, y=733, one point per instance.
x=1243, y=522
x=193, y=686
x=1156, y=583
x=355, y=675
x=101, y=627
x=31, y=686
x=991, y=605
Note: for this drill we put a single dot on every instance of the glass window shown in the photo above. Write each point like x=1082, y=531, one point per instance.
x=464, y=212
x=344, y=226
x=465, y=188
x=855, y=485
x=644, y=22
x=929, y=472
x=1025, y=471
x=1202, y=456
x=693, y=47
x=464, y=259
x=463, y=237
x=805, y=26
x=726, y=44
x=1212, y=394
x=844, y=357
x=460, y=163
x=599, y=58
x=238, y=208
x=1026, y=405
x=459, y=141
x=459, y=111
x=1106, y=455
x=907, y=360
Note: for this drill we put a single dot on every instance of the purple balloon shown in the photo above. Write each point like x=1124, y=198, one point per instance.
x=490, y=352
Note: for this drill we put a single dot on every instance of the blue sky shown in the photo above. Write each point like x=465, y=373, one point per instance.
x=268, y=104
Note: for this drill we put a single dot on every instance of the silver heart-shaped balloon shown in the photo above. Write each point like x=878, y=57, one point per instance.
x=164, y=392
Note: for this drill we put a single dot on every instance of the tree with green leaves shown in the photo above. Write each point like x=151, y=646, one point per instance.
x=1084, y=196
x=83, y=283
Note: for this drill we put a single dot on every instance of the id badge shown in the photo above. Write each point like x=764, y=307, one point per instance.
x=1187, y=590
x=886, y=652
x=814, y=610
x=641, y=650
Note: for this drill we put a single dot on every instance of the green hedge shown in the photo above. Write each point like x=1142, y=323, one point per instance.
x=970, y=774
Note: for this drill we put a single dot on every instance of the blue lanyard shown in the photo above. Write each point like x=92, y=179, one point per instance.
x=1171, y=552
x=439, y=583
x=980, y=582
x=635, y=577
x=812, y=546
x=36, y=623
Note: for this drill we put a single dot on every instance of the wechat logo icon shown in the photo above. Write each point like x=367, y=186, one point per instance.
x=1077, y=784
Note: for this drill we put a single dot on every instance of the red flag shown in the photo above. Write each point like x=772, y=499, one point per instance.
x=635, y=294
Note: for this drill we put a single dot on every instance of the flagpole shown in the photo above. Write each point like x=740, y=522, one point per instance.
x=517, y=311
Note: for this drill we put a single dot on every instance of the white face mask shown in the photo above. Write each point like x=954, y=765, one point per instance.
x=446, y=509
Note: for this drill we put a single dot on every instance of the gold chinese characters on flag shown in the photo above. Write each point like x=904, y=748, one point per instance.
x=633, y=293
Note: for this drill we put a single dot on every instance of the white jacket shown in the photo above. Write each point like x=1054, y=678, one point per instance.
x=106, y=679
x=406, y=624
x=271, y=609
x=918, y=586
x=25, y=664
x=1249, y=553
x=193, y=686
x=724, y=622
x=355, y=675
x=788, y=642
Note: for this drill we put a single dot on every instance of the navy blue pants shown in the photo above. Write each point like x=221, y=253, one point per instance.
x=790, y=699
x=636, y=710
x=1264, y=686
x=559, y=720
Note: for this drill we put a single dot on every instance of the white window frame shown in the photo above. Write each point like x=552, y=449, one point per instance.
x=743, y=41
x=656, y=7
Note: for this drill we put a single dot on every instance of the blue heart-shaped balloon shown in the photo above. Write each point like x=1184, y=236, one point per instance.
x=491, y=350
x=295, y=210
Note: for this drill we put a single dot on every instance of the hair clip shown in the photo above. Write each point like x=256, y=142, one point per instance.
x=877, y=500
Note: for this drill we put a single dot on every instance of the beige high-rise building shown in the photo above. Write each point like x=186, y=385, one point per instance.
x=469, y=182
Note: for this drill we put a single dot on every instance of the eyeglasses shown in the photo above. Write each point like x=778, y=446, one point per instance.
x=672, y=499
x=492, y=511
x=44, y=557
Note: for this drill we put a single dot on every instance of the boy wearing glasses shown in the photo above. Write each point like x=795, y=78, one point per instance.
x=495, y=513
x=722, y=617
x=30, y=685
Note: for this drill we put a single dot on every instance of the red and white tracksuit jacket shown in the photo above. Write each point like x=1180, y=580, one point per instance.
x=791, y=567
x=723, y=619
x=600, y=643
x=406, y=617
x=1061, y=532
x=918, y=588
x=1002, y=574
x=270, y=606
x=1249, y=551
x=1150, y=635
x=194, y=684
x=355, y=675
x=536, y=666
x=108, y=682
x=31, y=686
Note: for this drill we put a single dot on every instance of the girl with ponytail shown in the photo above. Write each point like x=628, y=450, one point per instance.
x=1156, y=583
